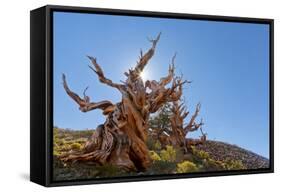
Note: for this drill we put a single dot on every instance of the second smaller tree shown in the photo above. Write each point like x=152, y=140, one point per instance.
x=179, y=130
x=169, y=128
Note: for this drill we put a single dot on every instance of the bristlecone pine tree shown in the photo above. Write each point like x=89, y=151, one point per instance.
x=121, y=139
x=168, y=126
x=178, y=136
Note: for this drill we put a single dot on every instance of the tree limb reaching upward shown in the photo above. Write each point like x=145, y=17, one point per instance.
x=148, y=55
x=166, y=80
x=192, y=125
x=97, y=69
x=134, y=74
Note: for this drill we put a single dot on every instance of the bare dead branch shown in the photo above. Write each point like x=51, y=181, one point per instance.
x=192, y=126
x=84, y=104
x=147, y=56
x=166, y=80
x=97, y=69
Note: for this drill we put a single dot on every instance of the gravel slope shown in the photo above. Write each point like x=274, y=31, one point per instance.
x=221, y=151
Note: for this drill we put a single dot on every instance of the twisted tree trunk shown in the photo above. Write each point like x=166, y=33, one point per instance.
x=121, y=140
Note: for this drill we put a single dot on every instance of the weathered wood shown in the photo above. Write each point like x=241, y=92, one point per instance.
x=121, y=140
x=179, y=131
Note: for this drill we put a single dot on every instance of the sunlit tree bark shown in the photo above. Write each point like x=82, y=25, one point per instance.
x=121, y=139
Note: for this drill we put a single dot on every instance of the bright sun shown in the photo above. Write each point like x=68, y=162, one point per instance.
x=144, y=76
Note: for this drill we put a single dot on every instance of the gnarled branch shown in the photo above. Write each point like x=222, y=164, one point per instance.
x=192, y=125
x=84, y=104
x=148, y=55
x=166, y=80
x=97, y=69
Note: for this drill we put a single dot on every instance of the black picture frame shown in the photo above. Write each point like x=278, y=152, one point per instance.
x=41, y=99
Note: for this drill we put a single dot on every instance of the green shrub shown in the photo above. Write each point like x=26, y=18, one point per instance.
x=153, y=144
x=157, y=146
x=81, y=140
x=154, y=156
x=76, y=146
x=108, y=170
x=186, y=167
x=169, y=154
x=204, y=155
x=234, y=165
x=55, y=131
x=213, y=165
x=60, y=141
x=65, y=147
x=162, y=167
x=200, y=153
x=56, y=150
x=205, y=162
x=56, y=153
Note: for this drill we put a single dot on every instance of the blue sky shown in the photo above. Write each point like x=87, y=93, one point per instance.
x=228, y=64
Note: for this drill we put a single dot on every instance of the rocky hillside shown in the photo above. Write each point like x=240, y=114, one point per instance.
x=210, y=156
x=220, y=151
